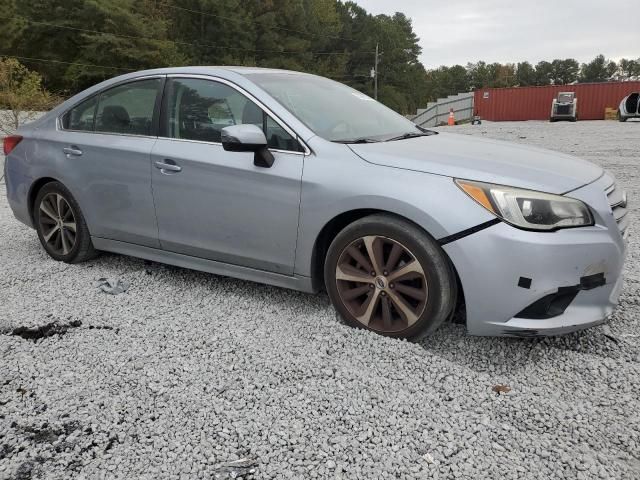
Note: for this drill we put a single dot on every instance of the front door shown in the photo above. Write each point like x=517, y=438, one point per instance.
x=215, y=204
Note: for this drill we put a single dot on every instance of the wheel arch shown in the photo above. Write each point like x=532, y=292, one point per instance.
x=36, y=186
x=335, y=225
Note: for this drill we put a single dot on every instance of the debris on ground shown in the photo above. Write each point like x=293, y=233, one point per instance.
x=112, y=286
x=102, y=327
x=235, y=469
x=501, y=389
x=606, y=331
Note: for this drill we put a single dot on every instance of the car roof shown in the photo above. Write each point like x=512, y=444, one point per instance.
x=212, y=69
x=254, y=70
x=236, y=74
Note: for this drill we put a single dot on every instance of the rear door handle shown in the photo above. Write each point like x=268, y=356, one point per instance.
x=167, y=168
x=72, y=150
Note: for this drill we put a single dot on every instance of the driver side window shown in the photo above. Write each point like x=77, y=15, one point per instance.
x=198, y=109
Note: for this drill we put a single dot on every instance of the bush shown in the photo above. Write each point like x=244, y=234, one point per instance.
x=21, y=95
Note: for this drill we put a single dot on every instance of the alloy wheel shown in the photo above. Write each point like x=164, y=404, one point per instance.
x=381, y=283
x=57, y=224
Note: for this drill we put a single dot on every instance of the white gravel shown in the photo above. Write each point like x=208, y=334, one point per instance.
x=193, y=371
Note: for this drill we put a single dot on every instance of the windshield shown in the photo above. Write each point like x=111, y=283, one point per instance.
x=332, y=110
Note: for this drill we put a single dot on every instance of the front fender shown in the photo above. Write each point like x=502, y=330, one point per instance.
x=342, y=182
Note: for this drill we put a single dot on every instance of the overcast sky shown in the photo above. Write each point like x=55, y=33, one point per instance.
x=460, y=31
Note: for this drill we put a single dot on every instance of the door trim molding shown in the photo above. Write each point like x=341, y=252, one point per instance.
x=296, y=282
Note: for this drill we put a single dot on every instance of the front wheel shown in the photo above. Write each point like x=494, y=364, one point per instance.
x=60, y=224
x=387, y=275
x=621, y=118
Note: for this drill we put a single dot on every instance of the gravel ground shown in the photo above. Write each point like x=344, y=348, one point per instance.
x=185, y=372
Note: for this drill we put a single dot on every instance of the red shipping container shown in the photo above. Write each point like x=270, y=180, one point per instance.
x=534, y=103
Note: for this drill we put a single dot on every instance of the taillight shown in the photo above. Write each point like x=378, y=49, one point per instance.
x=10, y=143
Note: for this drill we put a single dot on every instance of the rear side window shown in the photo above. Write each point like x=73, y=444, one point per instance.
x=81, y=116
x=128, y=109
x=198, y=109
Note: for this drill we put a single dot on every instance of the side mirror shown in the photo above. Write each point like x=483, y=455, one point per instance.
x=248, y=138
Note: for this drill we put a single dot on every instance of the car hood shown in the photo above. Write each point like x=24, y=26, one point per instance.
x=472, y=158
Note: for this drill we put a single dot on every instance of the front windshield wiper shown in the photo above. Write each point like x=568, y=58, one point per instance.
x=404, y=136
x=357, y=140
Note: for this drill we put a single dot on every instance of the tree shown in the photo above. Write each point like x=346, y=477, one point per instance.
x=11, y=30
x=544, y=73
x=565, y=71
x=401, y=76
x=629, y=68
x=445, y=81
x=131, y=35
x=21, y=94
x=525, y=74
x=502, y=75
x=400, y=67
x=479, y=75
x=210, y=32
x=494, y=75
x=73, y=44
x=55, y=44
x=598, y=70
x=458, y=80
x=87, y=41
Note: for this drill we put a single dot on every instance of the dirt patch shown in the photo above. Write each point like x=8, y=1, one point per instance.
x=48, y=434
x=49, y=330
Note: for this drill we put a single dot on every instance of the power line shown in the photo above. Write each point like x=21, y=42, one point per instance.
x=137, y=37
x=44, y=60
x=200, y=12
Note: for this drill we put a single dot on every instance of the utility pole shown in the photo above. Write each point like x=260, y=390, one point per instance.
x=375, y=77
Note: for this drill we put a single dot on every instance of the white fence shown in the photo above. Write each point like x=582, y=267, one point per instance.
x=438, y=111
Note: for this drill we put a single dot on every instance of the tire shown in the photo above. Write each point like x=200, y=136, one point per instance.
x=621, y=118
x=55, y=229
x=416, y=304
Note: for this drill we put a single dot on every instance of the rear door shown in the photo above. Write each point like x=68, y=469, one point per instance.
x=104, y=146
x=215, y=204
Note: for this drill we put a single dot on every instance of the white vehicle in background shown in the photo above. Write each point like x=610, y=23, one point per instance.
x=629, y=107
x=564, y=107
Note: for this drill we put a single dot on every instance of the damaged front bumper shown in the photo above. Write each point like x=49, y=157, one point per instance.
x=523, y=283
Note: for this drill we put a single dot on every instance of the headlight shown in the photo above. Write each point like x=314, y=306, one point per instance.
x=527, y=208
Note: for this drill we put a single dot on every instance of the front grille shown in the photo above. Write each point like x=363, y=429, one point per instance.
x=618, y=201
x=563, y=109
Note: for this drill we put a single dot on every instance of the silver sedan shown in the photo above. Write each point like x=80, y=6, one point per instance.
x=298, y=181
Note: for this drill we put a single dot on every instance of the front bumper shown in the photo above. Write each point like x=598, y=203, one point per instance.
x=492, y=264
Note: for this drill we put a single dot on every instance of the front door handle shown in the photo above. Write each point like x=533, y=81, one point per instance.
x=168, y=166
x=72, y=150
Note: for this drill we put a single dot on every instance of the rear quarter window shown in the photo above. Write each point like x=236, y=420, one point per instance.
x=81, y=117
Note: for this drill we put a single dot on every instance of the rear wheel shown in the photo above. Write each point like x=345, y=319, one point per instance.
x=60, y=224
x=386, y=275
